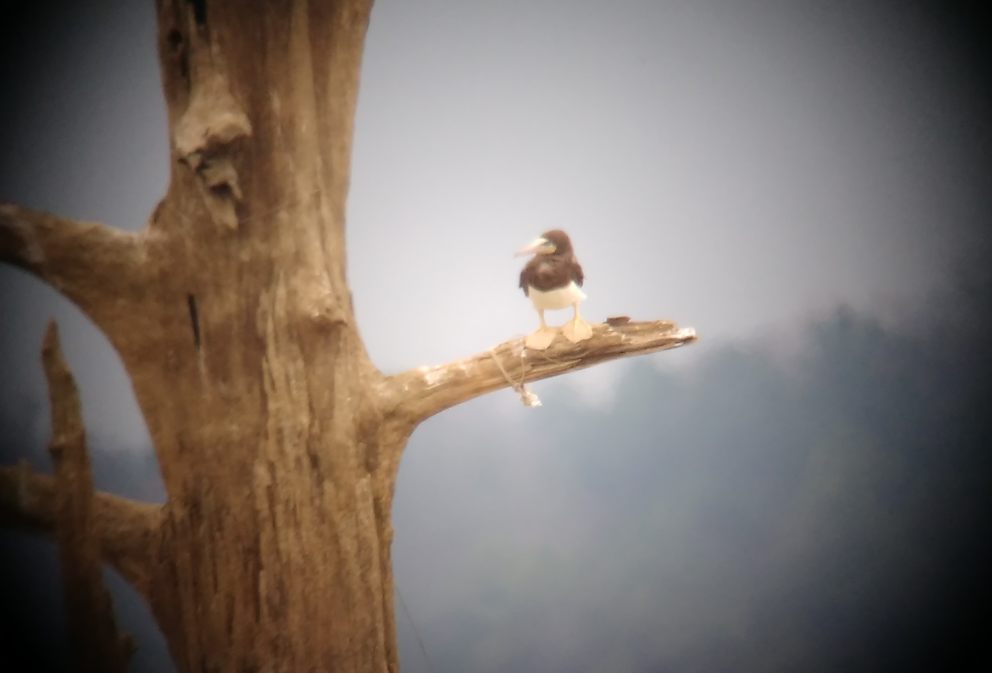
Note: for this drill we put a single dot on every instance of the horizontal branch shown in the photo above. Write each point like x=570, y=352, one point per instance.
x=124, y=527
x=420, y=393
x=67, y=506
x=90, y=263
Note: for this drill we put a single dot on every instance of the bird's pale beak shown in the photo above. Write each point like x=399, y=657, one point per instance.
x=537, y=246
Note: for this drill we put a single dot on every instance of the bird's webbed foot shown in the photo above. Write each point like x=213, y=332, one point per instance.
x=541, y=339
x=577, y=330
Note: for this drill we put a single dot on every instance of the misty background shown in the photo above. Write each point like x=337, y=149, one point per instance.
x=806, y=184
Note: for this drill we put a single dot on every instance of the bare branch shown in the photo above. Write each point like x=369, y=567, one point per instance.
x=90, y=263
x=89, y=609
x=119, y=530
x=420, y=393
x=125, y=528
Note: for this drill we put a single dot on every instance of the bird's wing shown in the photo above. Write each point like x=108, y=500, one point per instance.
x=577, y=274
x=523, y=283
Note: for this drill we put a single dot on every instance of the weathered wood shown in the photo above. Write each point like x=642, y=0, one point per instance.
x=96, y=266
x=278, y=440
x=253, y=379
x=125, y=530
x=420, y=393
x=93, y=634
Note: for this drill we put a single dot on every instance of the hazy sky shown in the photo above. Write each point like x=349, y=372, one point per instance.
x=741, y=167
x=732, y=166
x=729, y=165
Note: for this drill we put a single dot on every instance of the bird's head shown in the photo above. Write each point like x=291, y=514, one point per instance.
x=550, y=242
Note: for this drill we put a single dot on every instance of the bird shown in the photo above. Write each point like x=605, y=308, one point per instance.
x=552, y=279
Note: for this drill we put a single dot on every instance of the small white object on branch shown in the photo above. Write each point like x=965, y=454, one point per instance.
x=527, y=396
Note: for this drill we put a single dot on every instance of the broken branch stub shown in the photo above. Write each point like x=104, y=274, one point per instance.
x=209, y=129
x=89, y=610
x=125, y=528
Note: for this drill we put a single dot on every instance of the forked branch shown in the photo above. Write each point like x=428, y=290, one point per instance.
x=90, y=263
x=112, y=529
x=89, y=609
x=420, y=393
x=123, y=527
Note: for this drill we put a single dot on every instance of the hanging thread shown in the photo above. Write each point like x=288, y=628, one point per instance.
x=420, y=641
x=526, y=395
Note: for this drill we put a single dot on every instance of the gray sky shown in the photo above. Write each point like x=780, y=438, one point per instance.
x=731, y=166
x=742, y=168
x=736, y=167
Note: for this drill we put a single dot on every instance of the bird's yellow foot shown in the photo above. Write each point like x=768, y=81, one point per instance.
x=541, y=339
x=577, y=330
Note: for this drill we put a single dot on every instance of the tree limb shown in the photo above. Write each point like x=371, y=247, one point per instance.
x=124, y=527
x=420, y=393
x=90, y=263
x=89, y=609
x=119, y=530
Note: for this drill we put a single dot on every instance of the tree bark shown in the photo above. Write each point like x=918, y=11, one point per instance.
x=258, y=392
x=278, y=440
x=420, y=393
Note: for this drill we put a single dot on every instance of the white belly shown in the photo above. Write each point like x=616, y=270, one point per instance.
x=556, y=299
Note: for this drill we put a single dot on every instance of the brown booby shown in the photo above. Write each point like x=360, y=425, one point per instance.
x=552, y=279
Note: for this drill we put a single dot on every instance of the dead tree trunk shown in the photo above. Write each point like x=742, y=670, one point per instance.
x=279, y=441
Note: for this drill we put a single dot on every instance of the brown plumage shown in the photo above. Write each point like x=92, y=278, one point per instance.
x=552, y=270
x=552, y=280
